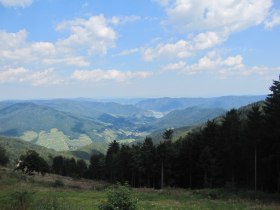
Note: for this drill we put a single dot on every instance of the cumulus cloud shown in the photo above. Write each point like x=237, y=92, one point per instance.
x=87, y=37
x=175, y=66
x=184, y=48
x=273, y=21
x=213, y=62
x=93, y=35
x=225, y=67
x=180, y=49
x=16, y=3
x=12, y=74
x=229, y=15
x=35, y=78
x=210, y=22
x=104, y=75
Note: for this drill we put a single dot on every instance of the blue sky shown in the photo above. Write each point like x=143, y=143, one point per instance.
x=139, y=48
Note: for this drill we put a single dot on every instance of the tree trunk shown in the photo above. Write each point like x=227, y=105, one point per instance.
x=162, y=176
x=255, y=168
x=205, y=179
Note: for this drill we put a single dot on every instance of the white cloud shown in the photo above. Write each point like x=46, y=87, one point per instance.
x=212, y=22
x=229, y=15
x=42, y=78
x=175, y=66
x=92, y=35
x=128, y=52
x=207, y=40
x=16, y=3
x=225, y=67
x=87, y=38
x=23, y=75
x=71, y=61
x=12, y=40
x=104, y=75
x=273, y=21
x=12, y=74
x=182, y=48
x=213, y=62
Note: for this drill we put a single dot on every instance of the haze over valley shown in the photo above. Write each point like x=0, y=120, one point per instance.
x=70, y=124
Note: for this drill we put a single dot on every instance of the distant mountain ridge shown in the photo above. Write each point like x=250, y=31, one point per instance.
x=69, y=124
x=170, y=104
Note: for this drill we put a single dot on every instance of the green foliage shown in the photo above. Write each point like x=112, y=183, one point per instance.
x=120, y=197
x=4, y=159
x=81, y=168
x=168, y=134
x=32, y=162
x=21, y=200
x=16, y=147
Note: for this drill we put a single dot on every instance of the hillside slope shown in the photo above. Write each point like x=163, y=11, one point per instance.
x=187, y=117
x=56, y=129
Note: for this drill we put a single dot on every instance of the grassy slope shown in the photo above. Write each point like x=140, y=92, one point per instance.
x=16, y=147
x=88, y=195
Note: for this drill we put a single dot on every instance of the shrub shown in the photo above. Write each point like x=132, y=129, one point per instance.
x=120, y=197
x=21, y=200
x=58, y=183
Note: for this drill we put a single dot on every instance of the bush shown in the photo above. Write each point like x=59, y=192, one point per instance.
x=120, y=197
x=58, y=183
x=21, y=200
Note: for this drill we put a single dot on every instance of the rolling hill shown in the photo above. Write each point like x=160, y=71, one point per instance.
x=185, y=130
x=55, y=129
x=187, y=117
x=16, y=147
x=70, y=124
x=170, y=104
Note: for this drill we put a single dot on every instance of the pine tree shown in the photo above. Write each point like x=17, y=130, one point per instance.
x=112, y=160
x=272, y=115
x=254, y=133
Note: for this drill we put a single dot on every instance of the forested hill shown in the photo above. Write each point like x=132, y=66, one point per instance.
x=187, y=117
x=170, y=104
x=239, y=150
x=69, y=124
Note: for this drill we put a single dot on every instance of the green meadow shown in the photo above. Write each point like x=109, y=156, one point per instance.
x=18, y=191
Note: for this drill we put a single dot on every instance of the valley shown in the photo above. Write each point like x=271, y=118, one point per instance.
x=76, y=124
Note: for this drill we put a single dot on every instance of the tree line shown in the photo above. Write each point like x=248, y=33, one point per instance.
x=242, y=150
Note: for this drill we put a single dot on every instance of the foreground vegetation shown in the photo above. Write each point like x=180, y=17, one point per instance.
x=19, y=191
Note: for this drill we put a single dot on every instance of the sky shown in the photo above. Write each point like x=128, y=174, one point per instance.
x=139, y=48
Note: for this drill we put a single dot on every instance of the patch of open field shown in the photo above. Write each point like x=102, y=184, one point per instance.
x=63, y=193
